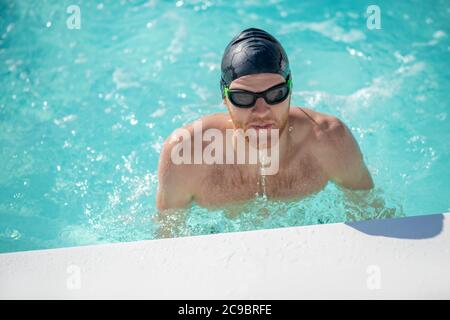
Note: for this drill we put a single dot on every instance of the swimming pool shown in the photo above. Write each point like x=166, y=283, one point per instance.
x=84, y=112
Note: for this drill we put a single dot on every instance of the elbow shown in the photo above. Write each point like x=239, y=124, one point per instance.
x=369, y=184
x=364, y=183
x=161, y=203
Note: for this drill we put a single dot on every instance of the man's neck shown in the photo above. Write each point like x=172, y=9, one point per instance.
x=279, y=145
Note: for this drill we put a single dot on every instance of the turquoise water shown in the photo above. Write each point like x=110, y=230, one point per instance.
x=83, y=113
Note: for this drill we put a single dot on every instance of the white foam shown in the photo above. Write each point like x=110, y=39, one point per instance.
x=381, y=87
x=437, y=36
x=122, y=80
x=327, y=28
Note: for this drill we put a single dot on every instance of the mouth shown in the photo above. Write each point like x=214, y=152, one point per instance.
x=262, y=126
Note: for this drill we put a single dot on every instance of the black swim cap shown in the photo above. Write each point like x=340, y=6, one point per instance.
x=250, y=52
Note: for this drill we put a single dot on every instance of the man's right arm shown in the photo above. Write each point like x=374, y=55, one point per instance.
x=174, y=190
x=173, y=193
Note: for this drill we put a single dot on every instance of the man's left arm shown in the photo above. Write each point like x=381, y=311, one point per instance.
x=344, y=161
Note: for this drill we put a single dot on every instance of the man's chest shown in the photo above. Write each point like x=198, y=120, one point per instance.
x=224, y=184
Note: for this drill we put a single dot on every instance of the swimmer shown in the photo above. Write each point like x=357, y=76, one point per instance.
x=256, y=86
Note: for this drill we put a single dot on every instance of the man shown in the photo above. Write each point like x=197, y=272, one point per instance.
x=312, y=148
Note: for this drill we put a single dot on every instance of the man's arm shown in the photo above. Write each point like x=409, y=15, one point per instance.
x=173, y=183
x=173, y=193
x=343, y=159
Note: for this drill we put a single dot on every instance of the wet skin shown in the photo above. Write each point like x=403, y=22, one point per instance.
x=314, y=148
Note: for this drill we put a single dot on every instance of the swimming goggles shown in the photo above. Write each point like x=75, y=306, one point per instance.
x=247, y=99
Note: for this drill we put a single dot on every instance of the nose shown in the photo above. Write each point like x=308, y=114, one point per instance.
x=261, y=107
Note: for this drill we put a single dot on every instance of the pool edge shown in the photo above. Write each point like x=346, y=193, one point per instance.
x=391, y=258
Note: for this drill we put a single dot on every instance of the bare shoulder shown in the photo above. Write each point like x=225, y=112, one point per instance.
x=169, y=169
x=215, y=120
x=334, y=146
x=319, y=127
x=330, y=139
x=219, y=121
x=178, y=178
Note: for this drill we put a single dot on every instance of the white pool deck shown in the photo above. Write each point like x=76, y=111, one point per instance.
x=403, y=258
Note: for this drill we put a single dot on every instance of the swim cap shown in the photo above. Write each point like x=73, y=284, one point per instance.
x=250, y=52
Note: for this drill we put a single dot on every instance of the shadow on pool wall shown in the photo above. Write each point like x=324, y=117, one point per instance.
x=404, y=228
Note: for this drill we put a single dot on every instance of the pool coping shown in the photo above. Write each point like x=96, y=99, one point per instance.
x=400, y=258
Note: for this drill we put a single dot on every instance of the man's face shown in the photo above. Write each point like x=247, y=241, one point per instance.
x=261, y=115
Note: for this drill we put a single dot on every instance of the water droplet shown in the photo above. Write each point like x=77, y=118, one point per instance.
x=15, y=234
x=441, y=116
